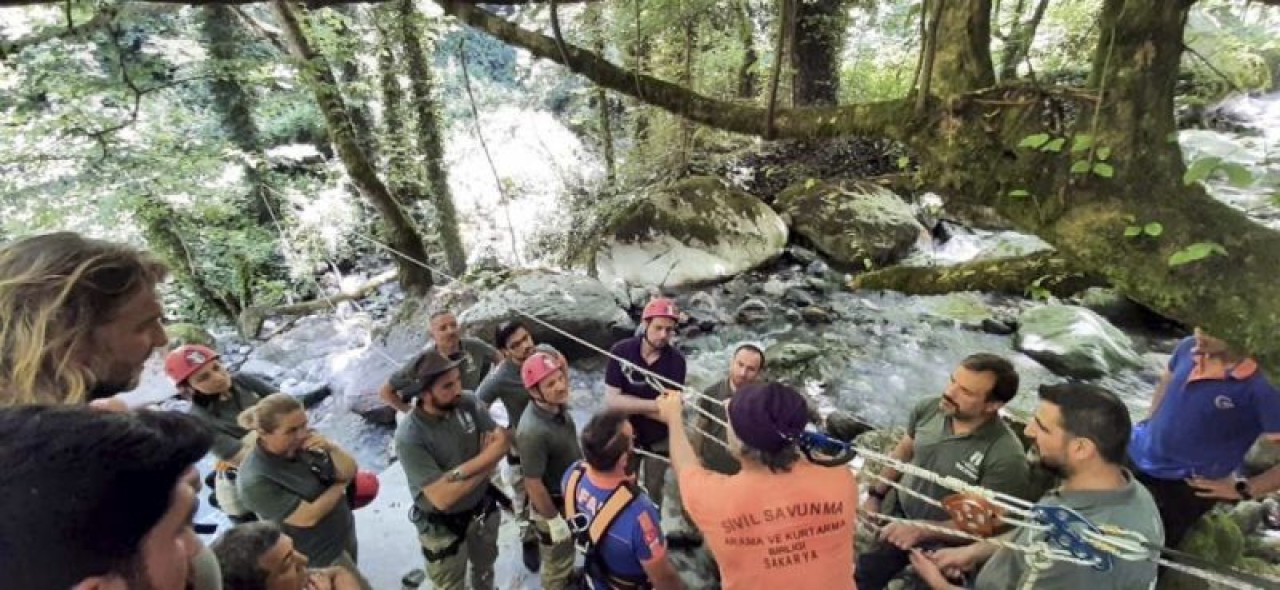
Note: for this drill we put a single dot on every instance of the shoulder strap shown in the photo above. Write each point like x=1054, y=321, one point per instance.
x=617, y=502
x=571, y=492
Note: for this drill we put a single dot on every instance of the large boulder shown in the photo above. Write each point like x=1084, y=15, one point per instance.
x=1074, y=342
x=853, y=223
x=579, y=305
x=694, y=231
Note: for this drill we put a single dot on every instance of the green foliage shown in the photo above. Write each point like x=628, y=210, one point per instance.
x=1206, y=167
x=1195, y=252
x=1153, y=229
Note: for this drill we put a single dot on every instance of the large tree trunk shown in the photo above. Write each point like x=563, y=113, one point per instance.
x=157, y=220
x=403, y=177
x=315, y=71
x=357, y=95
x=1015, y=276
x=815, y=52
x=222, y=36
x=592, y=21
x=430, y=145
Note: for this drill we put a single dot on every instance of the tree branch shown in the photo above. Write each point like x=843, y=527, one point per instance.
x=893, y=119
x=270, y=33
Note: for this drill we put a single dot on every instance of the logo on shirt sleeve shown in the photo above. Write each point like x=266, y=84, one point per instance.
x=648, y=528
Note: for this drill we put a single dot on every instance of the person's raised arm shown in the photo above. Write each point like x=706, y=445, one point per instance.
x=344, y=465
x=617, y=402
x=671, y=412
x=662, y=575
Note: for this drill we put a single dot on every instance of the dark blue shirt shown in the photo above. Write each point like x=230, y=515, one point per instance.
x=670, y=364
x=634, y=536
x=1206, y=423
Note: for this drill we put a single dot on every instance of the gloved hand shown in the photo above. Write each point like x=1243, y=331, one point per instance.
x=559, y=529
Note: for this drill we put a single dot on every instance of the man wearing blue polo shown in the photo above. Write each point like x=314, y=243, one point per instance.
x=1211, y=405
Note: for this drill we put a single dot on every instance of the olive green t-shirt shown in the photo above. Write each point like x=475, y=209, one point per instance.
x=1131, y=508
x=273, y=487
x=990, y=456
x=431, y=446
x=713, y=454
x=548, y=446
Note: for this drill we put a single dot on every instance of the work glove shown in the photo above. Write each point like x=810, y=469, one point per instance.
x=558, y=528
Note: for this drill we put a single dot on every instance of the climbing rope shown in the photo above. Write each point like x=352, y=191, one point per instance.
x=1113, y=541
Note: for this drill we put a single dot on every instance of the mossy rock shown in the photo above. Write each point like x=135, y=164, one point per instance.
x=856, y=224
x=181, y=334
x=1216, y=538
x=694, y=231
x=1074, y=342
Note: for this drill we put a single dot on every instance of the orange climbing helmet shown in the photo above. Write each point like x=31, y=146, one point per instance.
x=660, y=307
x=187, y=359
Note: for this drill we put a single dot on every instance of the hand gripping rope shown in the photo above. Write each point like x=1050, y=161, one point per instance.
x=1069, y=537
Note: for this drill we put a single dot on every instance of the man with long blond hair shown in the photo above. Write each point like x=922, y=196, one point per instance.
x=78, y=318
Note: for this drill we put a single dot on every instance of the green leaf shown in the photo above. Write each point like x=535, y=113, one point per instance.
x=1034, y=141
x=1237, y=175
x=1153, y=229
x=1132, y=231
x=1200, y=169
x=1196, y=251
x=1104, y=170
x=808, y=184
x=1055, y=145
x=1019, y=193
x=1103, y=153
x=1080, y=167
x=1081, y=143
x=903, y=162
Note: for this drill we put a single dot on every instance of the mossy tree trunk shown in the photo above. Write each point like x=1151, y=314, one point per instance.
x=1015, y=276
x=815, y=52
x=592, y=21
x=315, y=72
x=352, y=82
x=223, y=37
x=967, y=142
x=1018, y=43
x=747, y=77
x=158, y=223
x=430, y=144
x=403, y=177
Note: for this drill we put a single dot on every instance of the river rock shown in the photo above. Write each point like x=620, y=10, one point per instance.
x=852, y=223
x=1117, y=308
x=816, y=314
x=694, y=231
x=798, y=297
x=1074, y=342
x=576, y=304
x=845, y=426
x=752, y=311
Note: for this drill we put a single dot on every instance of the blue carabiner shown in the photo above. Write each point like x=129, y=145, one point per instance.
x=1065, y=528
x=824, y=450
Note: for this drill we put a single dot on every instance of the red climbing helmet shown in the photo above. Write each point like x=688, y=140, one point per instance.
x=660, y=307
x=366, y=489
x=537, y=367
x=187, y=359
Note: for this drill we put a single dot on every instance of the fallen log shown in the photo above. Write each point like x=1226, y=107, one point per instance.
x=251, y=318
x=1033, y=274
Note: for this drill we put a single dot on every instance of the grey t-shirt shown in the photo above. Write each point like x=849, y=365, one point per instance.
x=504, y=383
x=1130, y=508
x=431, y=446
x=220, y=414
x=273, y=487
x=548, y=446
x=477, y=359
x=713, y=454
x=990, y=456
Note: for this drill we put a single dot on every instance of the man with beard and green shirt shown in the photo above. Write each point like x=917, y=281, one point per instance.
x=504, y=384
x=745, y=367
x=958, y=435
x=548, y=443
x=1079, y=432
x=449, y=447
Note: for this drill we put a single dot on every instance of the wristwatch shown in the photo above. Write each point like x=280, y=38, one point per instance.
x=457, y=475
x=1242, y=488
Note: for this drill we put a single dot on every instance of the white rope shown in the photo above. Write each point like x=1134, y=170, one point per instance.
x=1117, y=541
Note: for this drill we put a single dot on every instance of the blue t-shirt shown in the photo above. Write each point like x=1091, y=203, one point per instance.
x=670, y=364
x=635, y=535
x=1205, y=424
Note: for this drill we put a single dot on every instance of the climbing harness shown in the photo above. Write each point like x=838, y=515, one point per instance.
x=589, y=530
x=1074, y=539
